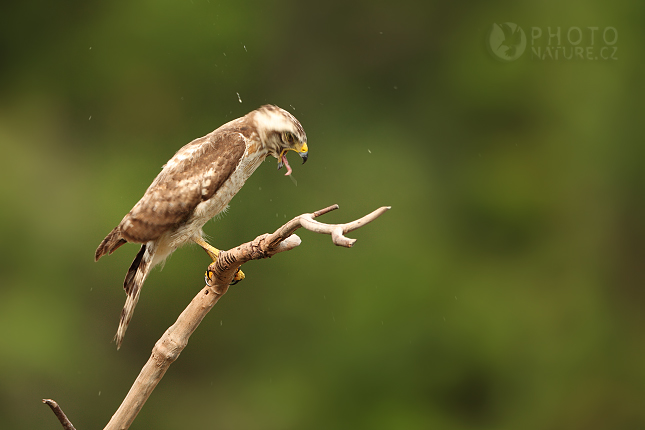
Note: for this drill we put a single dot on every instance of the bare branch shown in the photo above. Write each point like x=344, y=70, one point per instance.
x=220, y=274
x=284, y=239
x=164, y=353
x=67, y=425
x=338, y=231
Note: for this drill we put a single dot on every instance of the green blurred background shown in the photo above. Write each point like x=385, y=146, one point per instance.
x=503, y=290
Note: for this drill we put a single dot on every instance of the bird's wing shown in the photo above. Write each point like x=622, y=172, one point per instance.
x=192, y=175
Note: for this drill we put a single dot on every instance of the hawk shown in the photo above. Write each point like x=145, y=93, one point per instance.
x=196, y=184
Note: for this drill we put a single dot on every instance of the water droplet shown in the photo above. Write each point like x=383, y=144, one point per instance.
x=238, y=97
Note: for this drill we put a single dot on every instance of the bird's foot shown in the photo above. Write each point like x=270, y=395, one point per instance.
x=213, y=254
x=239, y=275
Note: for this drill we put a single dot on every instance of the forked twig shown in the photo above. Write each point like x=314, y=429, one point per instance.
x=221, y=273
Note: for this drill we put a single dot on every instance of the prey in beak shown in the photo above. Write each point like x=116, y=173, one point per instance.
x=302, y=150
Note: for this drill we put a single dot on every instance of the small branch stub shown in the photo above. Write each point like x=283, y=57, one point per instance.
x=67, y=425
x=324, y=211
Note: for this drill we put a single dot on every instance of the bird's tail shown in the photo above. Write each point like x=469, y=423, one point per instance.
x=133, y=283
x=111, y=242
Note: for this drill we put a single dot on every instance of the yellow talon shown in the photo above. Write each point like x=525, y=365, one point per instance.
x=239, y=275
x=213, y=253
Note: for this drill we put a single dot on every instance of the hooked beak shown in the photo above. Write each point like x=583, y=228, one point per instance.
x=302, y=150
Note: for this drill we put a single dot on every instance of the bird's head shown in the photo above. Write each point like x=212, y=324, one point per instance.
x=281, y=132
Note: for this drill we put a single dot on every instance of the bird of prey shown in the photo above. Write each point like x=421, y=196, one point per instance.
x=196, y=184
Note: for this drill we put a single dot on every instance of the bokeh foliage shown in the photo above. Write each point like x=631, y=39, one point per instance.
x=503, y=290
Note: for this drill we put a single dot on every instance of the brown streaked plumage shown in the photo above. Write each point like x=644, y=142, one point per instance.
x=196, y=184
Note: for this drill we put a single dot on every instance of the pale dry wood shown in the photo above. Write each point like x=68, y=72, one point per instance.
x=221, y=273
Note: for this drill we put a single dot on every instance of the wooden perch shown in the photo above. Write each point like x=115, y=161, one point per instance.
x=220, y=274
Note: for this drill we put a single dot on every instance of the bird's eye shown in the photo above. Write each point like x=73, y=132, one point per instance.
x=288, y=137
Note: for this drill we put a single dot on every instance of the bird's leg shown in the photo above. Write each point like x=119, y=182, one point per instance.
x=213, y=253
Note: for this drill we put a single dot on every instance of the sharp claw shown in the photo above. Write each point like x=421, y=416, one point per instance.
x=237, y=278
x=207, y=278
